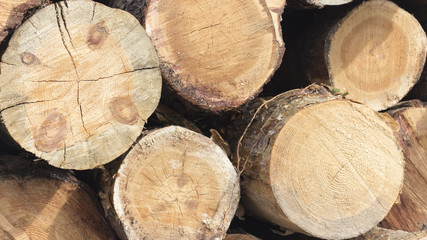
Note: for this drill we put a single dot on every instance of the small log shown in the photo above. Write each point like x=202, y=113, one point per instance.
x=174, y=184
x=38, y=202
x=376, y=52
x=320, y=165
x=410, y=213
x=12, y=13
x=78, y=82
x=216, y=55
x=240, y=237
x=387, y=234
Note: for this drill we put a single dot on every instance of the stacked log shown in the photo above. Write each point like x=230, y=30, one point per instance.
x=320, y=165
x=79, y=82
x=375, y=52
x=203, y=49
x=174, y=184
x=41, y=202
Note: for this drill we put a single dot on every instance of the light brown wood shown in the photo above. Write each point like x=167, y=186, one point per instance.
x=216, y=55
x=174, y=184
x=78, y=82
x=319, y=164
x=387, y=234
x=410, y=213
x=38, y=202
x=12, y=12
x=376, y=53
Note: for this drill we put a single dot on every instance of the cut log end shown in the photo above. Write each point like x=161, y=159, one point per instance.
x=55, y=205
x=320, y=165
x=324, y=169
x=216, y=55
x=78, y=79
x=376, y=53
x=176, y=184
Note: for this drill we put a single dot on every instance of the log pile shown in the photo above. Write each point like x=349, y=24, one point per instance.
x=225, y=119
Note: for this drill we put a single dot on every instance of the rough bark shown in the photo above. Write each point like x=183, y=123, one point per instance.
x=410, y=212
x=174, y=184
x=41, y=202
x=12, y=13
x=78, y=82
x=319, y=164
x=216, y=55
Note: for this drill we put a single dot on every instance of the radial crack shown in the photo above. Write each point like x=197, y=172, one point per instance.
x=118, y=74
x=23, y=103
x=58, y=21
x=80, y=107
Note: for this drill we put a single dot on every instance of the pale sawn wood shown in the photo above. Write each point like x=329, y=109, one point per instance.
x=41, y=202
x=318, y=164
x=174, y=184
x=78, y=82
x=216, y=55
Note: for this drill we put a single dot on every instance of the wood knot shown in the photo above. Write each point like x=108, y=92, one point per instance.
x=97, y=35
x=50, y=134
x=191, y=204
x=123, y=110
x=182, y=180
x=28, y=58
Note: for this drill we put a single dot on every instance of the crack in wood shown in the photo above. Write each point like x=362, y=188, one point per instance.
x=60, y=16
x=23, y=103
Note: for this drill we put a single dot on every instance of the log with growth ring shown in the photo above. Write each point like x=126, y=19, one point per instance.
x=78, y=82
x=319, y=164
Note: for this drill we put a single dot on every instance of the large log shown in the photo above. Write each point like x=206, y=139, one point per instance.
x=320, y=165
x=216, y=55
x=174, y=184
x=410, y=213
x=38, y=202
x=375, y=52
x=78, y=82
